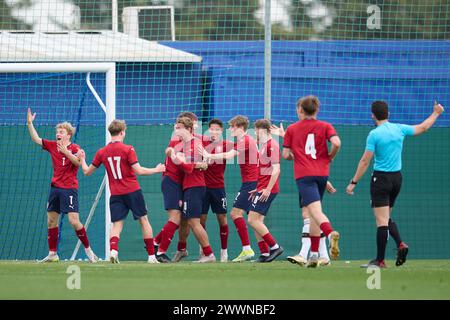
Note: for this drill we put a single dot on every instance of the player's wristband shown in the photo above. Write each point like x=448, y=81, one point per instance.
x=353, y=182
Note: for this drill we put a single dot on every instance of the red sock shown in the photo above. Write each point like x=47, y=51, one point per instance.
x=224, y=231
x=168, y=232
x=149, y=246
x=326, y=228
x=207, y=250
x=269, y=240
x=181, y=246
x=52, y=239
x=315, y=241
x=263, y=247
x=241, y=227
x=158, y=237
x=81, y=234
x=114, y=243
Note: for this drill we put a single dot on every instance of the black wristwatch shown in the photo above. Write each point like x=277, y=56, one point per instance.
x=353, y=182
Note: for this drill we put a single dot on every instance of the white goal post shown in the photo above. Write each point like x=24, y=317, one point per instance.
x=109, y=68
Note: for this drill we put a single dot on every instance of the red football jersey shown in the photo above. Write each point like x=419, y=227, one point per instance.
x=268, y=155
x=214, y=175
x=118, y=158
x=193, y=154
x=172, y=170
x=307, y=140
x=247, y=158
x=64, y=171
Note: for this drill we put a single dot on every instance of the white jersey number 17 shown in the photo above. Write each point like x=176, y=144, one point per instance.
x=117, y=175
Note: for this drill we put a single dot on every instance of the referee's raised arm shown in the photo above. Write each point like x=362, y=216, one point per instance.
x=428, y=122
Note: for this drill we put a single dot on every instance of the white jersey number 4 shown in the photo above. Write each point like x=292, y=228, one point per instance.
x=117, y=175
x=310, y=147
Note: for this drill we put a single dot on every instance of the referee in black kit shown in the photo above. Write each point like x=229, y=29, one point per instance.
x=386, y=142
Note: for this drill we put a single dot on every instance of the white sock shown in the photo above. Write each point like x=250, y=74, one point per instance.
x=306, y=245
x=265, y=254
x=314, y=253
x=276, y=246
x=323, y=252
x=152, y=256
x=224, y=251
x=306, y=241
x=247, y=247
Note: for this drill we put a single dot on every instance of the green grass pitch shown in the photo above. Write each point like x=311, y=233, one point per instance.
x=417, y=279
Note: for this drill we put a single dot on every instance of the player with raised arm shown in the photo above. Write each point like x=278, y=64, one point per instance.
x=122, y=166
x=302, y=257
x=63, y=197
x=246, y=150
x=305, y=142
x=215, y=196
x=267, y=189
x=190, y=160
x=386, y=143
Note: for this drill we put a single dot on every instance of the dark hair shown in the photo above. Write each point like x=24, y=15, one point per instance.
x=262, y=124
x=215, y=121
x=380, y=110
x=189, y=115
x=309, y=104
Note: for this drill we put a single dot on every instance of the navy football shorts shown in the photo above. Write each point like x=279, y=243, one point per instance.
x=62, y=200
x=262, y=207
x=311, y=189
x=172, y=194
x=121, y=204
x=193, y=202
x=242, y=200
x=216, y=199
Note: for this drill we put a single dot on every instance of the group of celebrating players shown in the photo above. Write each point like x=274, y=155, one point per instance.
x=193, y=182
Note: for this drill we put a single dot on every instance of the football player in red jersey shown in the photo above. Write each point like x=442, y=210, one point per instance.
x=194, y=186
x=302, y=257
x=172, y=190
x=246, y=150
x=215, y=196
x=267, y=189
x=63, y=197
x=122, y=166
x=305, y=142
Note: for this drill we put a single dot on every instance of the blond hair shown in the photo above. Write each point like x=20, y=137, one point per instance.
x=116, y=127
x=186, y=122
x=66, y=126
x=239, y=121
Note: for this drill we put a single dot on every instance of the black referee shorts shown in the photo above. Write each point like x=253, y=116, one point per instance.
x=384, y=188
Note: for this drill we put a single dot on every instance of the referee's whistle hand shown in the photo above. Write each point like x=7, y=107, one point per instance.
x=349, y=189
